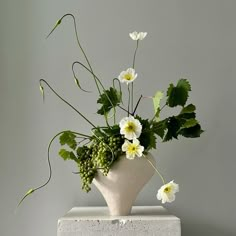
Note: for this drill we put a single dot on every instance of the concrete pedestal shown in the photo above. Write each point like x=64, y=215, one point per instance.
x=95, y=221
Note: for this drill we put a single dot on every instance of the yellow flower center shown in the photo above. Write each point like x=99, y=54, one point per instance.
x=130, y=127
x=128, y=76
x=167, y=189
x=132, y=148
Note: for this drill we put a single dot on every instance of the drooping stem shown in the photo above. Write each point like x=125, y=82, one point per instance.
x=78, y=41
x=49, y=165
x=99, y=81
x=44, y=81
x=158, y=172
x=132, y=86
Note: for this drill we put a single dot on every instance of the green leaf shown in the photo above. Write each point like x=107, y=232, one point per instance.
x=109, y=99
x=68, y=138
x=156, y=102
x=173, y=125
x=147, y=138
x=67, y=155
x=192, y=132
x=190, y=123
x=177, y=96
x=160, y=127
x=188, y=109
x=112, y=130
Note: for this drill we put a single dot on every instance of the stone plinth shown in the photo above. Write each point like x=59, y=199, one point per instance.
x=95, y=221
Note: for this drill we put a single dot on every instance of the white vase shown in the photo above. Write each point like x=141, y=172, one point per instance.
x=124, y=181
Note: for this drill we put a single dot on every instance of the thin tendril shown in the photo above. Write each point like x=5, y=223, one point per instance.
x=99, y=81
x=42, y=80
x=77, y=81
x=158, y=172
x=49, y=165
x=77, y=38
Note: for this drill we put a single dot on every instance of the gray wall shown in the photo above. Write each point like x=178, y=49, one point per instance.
x=192, y=39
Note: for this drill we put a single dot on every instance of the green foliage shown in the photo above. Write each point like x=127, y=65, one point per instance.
x=156, y=103
x=147, y=138
x=103, y=150
x=191, y=132
x=68, y=138
x=183, y=124
x=109, y=99
x=177, y=96
x=188, y=109
x=160, y=127
x=67, y=155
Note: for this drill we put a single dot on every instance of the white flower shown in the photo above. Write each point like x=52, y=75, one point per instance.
x=132, y=149
x=130, y=127
x=127, y=76
x=167, y=192
x=138, y=36
x=142, y=35
x=134, y=35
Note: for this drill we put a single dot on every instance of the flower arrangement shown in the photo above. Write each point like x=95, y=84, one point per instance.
x=133, y=135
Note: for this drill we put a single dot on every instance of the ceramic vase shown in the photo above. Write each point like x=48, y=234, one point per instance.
x=124, y=181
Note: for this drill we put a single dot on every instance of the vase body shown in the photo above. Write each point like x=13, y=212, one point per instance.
x=124, y=181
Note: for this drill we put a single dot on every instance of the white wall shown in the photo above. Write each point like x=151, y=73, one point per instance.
x=192, y=39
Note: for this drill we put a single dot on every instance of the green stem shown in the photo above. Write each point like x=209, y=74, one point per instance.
x=77, y=38
x=49, y=164
x=137, y=105
x=132, y=87
x=99, y=81
x=159, y=112
x=158, y=172
x=128, y=99
x=124, y=109
x=135, y=52
x=42, y=80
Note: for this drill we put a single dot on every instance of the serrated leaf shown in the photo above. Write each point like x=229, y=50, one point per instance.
x=160, y=127
x=64, y=154
x=173, y=126
x=109, y=99
x=147, y=138
x=192, y=132
x=177, y=96
x=67, y=155
x=188, y=109
x=156, y=103
x=190, y=123
x=68, y=138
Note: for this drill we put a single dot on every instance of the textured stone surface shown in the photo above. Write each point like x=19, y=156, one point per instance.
x=95, y=221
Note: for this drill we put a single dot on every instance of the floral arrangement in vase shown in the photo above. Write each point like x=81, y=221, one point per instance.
x=133, y=136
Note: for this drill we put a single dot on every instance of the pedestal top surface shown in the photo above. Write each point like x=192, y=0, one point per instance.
x=102, y=213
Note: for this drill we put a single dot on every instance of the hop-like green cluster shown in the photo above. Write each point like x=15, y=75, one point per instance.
x=99, y=155
x=87, y=169
x=105, y=152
